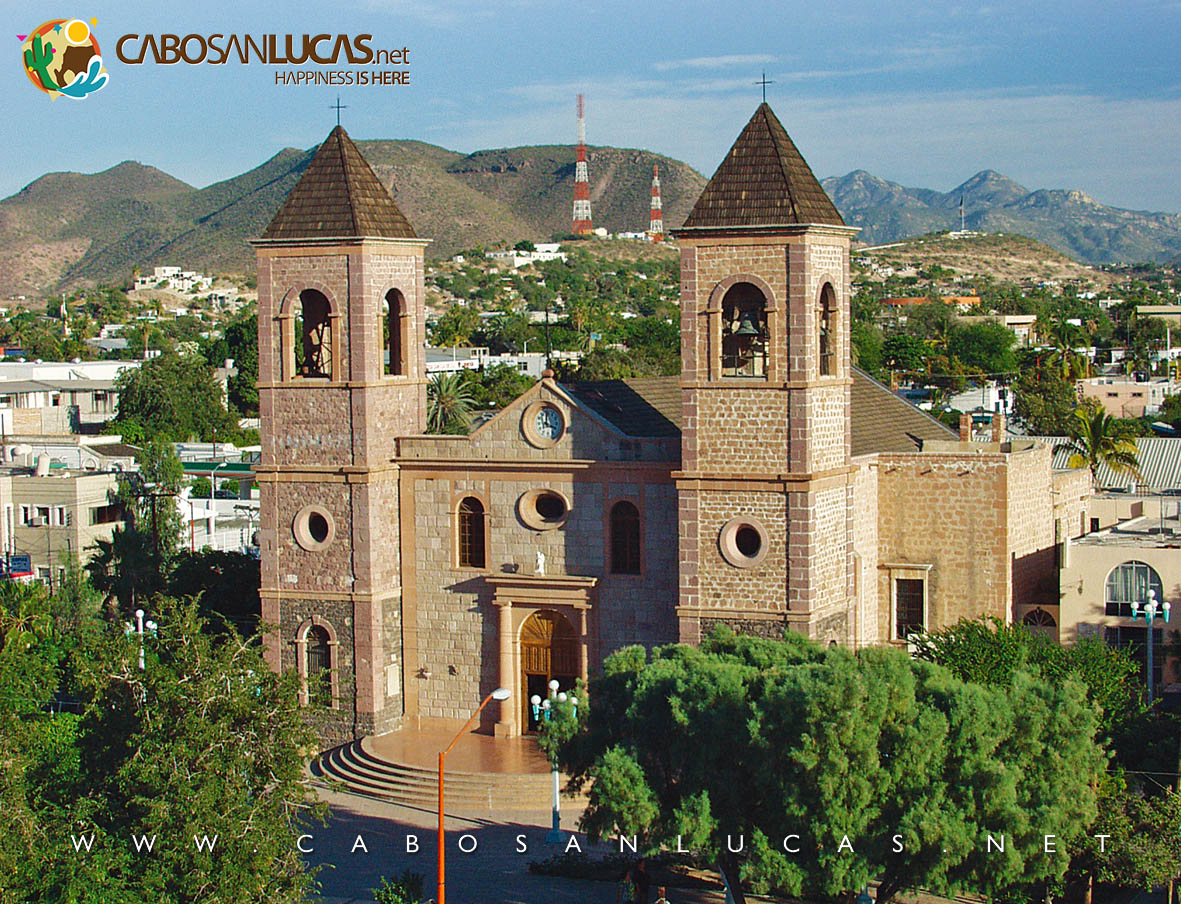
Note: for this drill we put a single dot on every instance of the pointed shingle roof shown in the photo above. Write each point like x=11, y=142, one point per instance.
x=339, y=196
x=764, y=181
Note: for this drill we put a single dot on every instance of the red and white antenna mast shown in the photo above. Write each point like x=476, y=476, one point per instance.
x=582, y=211
x=656, y=217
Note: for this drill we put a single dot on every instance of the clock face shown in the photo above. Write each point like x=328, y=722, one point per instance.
x=549, y=423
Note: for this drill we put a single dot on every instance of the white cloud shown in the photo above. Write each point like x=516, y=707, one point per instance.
x=715, y=62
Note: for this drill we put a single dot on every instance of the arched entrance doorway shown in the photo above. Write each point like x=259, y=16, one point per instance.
x=549, y=650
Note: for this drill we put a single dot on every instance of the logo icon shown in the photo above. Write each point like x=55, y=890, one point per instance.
x=62, y=59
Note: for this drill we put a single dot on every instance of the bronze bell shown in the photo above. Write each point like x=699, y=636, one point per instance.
x=748, y=326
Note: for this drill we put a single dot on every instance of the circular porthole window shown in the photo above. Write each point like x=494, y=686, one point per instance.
x=314, y=527
x=543, y=509
x=743, y=542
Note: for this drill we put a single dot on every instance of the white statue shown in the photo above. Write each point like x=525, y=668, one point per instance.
x=540, y=567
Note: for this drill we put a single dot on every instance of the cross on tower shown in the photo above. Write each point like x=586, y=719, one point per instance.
x=338, y=106
x=764, y=81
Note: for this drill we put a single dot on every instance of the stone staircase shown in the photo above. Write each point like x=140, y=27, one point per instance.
x=356, y=768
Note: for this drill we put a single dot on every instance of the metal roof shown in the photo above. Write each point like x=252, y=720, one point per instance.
x=1160, y=463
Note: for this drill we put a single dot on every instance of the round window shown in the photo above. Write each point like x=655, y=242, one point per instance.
x=743, y=542
x=543, y=509
x=748, y=541
x=318, y=527
x=313, y=527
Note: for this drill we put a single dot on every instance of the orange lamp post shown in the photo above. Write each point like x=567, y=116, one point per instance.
x=501, y=693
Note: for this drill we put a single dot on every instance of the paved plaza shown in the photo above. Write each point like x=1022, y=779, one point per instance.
x=495, y=873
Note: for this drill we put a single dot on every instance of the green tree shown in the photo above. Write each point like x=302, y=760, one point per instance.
x=933, y=322
x=1144, y=847
x=904, y=353
x=1096, y=439
x=134, y=563
x=743, y=736
x=455, y=327
x=174, y=397
x=205, y=741
x=225, y=585
x=1044, y=401
x=867, y=347
x=449, y=403
x=496, y=386
x=239, y=341
x=988, y=651
x=524, y=245
x=985, y=348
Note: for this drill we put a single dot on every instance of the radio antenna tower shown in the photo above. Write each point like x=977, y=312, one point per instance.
x=582, y=211
x=656, y=217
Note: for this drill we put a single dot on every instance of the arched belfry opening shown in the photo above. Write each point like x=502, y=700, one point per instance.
x=744, y=331
x=827, y=315
x=313, y=336
x=393, y=308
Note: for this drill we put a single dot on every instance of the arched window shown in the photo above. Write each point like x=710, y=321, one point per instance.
x=1129, y=583
x=319, y=667
x=472, y=541
x=393, y=307
x=828, y=336
x=1039, y=621
x=625, y=538
x=744, y=332
x=313, y=336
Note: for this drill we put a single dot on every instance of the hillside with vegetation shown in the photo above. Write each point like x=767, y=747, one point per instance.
x=997, y=256
x=67, y=230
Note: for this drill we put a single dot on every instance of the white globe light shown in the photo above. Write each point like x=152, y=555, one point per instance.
x=535, y=700
x=573, y=699
x=553, y=685
x=562, y=697
x=545, y=704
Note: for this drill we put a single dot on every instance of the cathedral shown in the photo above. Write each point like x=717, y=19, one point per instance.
x=771, y=486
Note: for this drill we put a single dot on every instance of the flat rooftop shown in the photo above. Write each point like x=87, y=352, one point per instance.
x=1146, y=531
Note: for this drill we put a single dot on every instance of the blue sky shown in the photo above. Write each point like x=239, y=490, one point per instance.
x=1052, y=94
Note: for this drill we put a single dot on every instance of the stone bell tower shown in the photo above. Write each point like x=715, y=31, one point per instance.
x=765, y=490
x=341, y=375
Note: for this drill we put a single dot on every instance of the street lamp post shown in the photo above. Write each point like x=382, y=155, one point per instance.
x=501, y=693
x=138, y=628
x=1150, y=612
x=554, y=835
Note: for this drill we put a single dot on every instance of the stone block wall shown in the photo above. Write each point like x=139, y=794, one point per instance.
x=947, y=511
x=456, y=624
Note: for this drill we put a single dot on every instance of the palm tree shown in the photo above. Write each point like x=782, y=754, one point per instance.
x=1096, y=439
x=449, y=403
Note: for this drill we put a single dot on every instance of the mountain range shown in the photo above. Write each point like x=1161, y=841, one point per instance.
x=1068, y=221
x=70, y=229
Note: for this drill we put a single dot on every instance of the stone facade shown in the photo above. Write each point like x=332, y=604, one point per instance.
x=329, y=445
x=773, y=448
x=427, y=571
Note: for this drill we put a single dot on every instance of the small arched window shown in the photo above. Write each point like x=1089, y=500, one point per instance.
x=1039, y=621
x=828, y=337
x=313, y=336
x=1129, y=583
x=393, y=308
x=625, y=538
x=744, y=332
x=319, y=667
x=472, y=538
